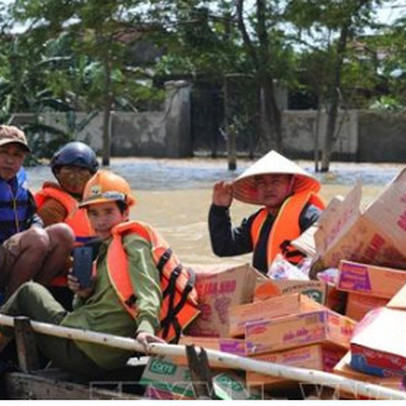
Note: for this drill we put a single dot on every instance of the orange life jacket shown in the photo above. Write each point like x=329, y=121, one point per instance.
x=76, y=218
x=285, y=227
x=179, y=303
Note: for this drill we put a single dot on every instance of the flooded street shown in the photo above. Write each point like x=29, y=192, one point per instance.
x=175, y=195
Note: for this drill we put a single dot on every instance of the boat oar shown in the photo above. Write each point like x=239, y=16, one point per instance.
x=227, y=360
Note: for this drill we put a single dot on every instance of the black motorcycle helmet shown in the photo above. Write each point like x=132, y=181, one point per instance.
x=77, y=154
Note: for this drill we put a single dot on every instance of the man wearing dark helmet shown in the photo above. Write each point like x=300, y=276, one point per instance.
x=58, y=202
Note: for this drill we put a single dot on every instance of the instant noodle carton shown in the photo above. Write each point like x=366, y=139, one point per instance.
x=230, y=345
x=378, y=346
x=370, y=279
x=317, y=327
x=268, y=309
x=219, y=289
x=343, y=368
x=267, y=288
x=359, y=305
x=316, y=356
x=372, y=235
x=165, y=380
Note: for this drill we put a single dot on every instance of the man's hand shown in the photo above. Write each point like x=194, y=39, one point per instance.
x=222, y=194
x=145, y=339
x=74, y=286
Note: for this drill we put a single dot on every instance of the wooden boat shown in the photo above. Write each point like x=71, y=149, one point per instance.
x=54, y=384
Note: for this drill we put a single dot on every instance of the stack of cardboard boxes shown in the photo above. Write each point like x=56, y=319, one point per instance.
x=219, y=288
x=367, y=245
x=291, y=322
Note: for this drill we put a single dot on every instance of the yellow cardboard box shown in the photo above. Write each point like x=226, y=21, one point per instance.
x=316, y=356
x=218, y=290
x=320, y=326
x=268, y=309
x=231, y=345
x=370, y=279
x=359, y=305
x=265, y=289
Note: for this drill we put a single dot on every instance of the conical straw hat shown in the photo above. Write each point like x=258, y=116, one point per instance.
x=244, y=187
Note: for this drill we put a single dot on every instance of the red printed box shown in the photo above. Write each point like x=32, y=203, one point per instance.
x=321, y=326
x=370, y=280
x=268, y=309
x=378, y=346
x=343, y=368
x=317, y=356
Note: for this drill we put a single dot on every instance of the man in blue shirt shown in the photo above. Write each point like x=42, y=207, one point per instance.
x=27, y=250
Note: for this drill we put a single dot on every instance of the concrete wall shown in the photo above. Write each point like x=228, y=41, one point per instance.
x=362, y=136
x=382, y=137
x=163, y=133
x=300, y=133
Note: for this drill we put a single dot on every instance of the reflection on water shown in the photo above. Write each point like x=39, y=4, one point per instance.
x=174, y=195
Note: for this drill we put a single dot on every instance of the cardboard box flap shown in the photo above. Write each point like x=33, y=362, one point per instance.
x=399, y=300
x=375, y=236
x=337, y=218
x=388, y=211
x=305, y=242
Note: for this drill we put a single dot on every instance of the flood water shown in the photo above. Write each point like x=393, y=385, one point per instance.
x=175, y=195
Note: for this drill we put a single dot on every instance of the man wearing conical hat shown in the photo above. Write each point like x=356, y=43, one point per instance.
x=290, y=205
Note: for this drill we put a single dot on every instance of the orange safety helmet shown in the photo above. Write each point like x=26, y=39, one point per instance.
x=105, y=186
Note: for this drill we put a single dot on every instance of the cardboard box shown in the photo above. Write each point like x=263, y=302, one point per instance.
x=359, y=305
x=375, y=235
x=343, y=368
x=321, y=326
x=370, y=279
x=378, y=346
x=399, y=300
x=268, y=309
x=306, y=242
x=268, y=288
x=230, y=345
x=317, y=356
x=166, y=380
x=218, y=289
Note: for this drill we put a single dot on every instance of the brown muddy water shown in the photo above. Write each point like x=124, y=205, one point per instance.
x=175, y=195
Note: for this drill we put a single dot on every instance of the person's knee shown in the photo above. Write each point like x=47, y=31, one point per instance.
x=61, y=235
x=28, y=289
x=36, y=239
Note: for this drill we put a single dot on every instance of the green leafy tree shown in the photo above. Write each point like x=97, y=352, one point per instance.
x=332, y=25
x=86, y=53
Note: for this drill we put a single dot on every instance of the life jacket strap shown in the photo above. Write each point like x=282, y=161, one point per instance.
x=164, y=259
x=130, y=302
x=291, y=254
x=171, y=316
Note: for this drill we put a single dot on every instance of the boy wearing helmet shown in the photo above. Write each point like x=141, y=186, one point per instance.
x=126, y=295
x=290, y=206
x=27, y=251
x=72, y=165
